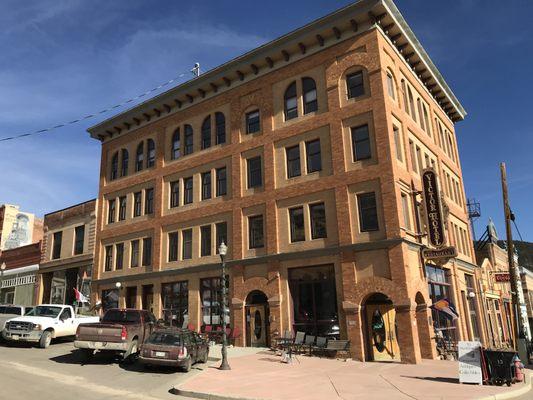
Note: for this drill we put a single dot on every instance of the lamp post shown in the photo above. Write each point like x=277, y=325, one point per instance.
x=222, y=250
x=2, y=269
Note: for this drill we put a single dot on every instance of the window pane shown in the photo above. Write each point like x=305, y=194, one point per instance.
x=220, y=121
x=291, y=103
x=390, y=85
x=174, y=194
x=293, y=161
x=221, y=182
x=150, y=160
x=206, y=185
x=318, y=220
x=256, y=231
x=111, y=211
x=119, y=256
x=139, y=157
x=108, y=258
x=354, y=83
x=173, y=246
x=176, y=145
x=253, y=122
x=314, y=157
x=187, y=190
x=255, y=177
x=149, y=201
x=187, y=244
x=137, y=204
x=79, y=239
x=297, y=224
x=147, y=251
x=310, y=95
x=134, y=253
x=188, y=149
x=206, y=240
x=206, y=133
x=368, y=216
x=222, y=234
x=360, y=143
x=397, y=143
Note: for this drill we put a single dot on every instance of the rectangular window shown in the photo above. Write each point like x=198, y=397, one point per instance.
x=221, y=182
x=147, y=252
x=293, y=161
x=314, y=157
x=122, y=208
x=175, y=297
x=206, y=185
x=397, y=143
x=79, y=239
x=361, y=143
x=187, y=244
x=137, y=204
x=406, y=213
x=149, y=201
x=174, y=194
x=187, y=190
x=173, y=246
x=119, y=256
x=108, y=264
x=413, y=156
x=255, y=176
x=222, y=234
x=419, y=159
x=111, y=211
x=368, y=213
x=210, y=297
x=317, y=213
x=296, y=216
x=253, y=123
x=56, y=250
x=205, y=233
x=390, y=85
x=188, y=145
x=206, y=134
x=255, y=232
x=354, y=84
x=134, y=262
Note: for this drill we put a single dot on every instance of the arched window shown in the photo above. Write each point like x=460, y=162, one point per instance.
x=206, y=132
x=310, y=99
x=188, y=147
x=150, y=157
x=114, y=166
x=426, y=120
x=220, y=127
x=419, y=107
x=411, y=103
x=124, y=163
x=405, y=102
x=291, y=102
x=139, y=157
x=390, y=85
x=176, y=145
x=355, y=85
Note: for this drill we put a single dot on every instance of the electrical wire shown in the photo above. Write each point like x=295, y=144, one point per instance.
x=105, y=110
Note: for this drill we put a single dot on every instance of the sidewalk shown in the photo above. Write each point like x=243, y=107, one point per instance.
x=263, y=376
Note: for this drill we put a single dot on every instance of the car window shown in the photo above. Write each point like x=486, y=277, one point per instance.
x=66, y=314
x=27, y=310
x=45, y=311
x=165, y=339
x=122, y=316
x=10, y=310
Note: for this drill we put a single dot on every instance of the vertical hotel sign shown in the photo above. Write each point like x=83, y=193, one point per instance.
x=433, y=206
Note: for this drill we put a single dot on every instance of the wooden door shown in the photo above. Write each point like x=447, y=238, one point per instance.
x=258, y=334
x=382, y=332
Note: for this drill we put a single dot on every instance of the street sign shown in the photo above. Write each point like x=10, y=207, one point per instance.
x=433, y=207
x=470, y=362
x=437, y=254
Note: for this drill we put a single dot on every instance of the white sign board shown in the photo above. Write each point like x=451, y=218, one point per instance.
x=470, y=363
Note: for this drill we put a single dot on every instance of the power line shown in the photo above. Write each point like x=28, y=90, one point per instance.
x=195, y=71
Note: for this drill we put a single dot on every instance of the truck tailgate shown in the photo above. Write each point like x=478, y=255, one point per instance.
x=100, y=332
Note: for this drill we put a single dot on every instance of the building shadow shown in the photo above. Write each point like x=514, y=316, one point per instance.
x=433, y=379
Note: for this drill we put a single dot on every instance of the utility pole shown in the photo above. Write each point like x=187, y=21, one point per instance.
x=510, y=255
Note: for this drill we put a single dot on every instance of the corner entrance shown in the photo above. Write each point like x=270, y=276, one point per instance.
x=257, y=314
x=381, y=332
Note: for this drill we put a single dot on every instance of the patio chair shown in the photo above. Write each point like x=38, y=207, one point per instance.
x=298, y=342
x=321, y=343
x=335, y=347
x=309, y=342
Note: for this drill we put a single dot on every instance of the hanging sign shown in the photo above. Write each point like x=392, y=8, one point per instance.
x=437, y=254
x=502, y=277
x=470, y=362
x=433, y=207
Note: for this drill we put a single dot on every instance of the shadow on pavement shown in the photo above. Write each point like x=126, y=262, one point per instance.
x=433, y=378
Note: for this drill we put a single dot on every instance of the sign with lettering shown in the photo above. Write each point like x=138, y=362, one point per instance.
x=433, y=207
x=442, y=253
x=502, y=277
x=470, y=362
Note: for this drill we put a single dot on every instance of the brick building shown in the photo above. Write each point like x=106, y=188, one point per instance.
x=68, y=252
x=305, y=157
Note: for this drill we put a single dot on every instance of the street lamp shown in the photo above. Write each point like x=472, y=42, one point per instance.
x=2, y=269
x=222, y=250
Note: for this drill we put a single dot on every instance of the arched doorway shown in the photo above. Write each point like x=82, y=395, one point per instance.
x=381, y=332
x=257, y=317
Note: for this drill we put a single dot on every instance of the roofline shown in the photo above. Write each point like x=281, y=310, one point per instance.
x=258, y=55
x=69, y=207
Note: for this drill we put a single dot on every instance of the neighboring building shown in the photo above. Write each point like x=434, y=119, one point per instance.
x=18, y=283
x=18, y=228
x=68, y=252
x=527, y=288
x=305, y=157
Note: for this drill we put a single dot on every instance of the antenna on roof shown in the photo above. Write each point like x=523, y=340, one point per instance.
x=196, y=70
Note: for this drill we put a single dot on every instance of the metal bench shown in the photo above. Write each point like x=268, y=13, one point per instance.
x=335, y=347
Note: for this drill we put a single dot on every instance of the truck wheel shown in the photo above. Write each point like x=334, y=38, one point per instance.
x=188, y=365
x=86, y=355
x=131, y=355
x=46, y=339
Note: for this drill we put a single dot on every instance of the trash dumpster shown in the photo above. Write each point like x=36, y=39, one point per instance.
x=500, y=366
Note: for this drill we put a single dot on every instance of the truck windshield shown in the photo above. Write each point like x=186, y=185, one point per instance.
x=122, y=316
x=45, y=311
x=10, y=310
x=165, y=339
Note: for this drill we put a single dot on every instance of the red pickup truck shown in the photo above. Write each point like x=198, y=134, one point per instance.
x=120, y=330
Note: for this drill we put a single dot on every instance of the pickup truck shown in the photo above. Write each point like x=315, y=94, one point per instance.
x=44, y=323
x=120, y=331
x=9, y=311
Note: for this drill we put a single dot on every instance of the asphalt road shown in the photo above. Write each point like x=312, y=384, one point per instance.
x=57, y=373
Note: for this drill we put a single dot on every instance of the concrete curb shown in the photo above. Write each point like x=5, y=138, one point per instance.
x=526, y=387
x=207, y=396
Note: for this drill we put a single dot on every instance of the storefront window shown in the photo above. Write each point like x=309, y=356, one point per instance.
x=471, y=300
x=211, y=301
x=439, y=288
x=314, y=299
x=175, y=303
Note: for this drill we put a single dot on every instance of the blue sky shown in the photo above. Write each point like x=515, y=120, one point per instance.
x=65, y=59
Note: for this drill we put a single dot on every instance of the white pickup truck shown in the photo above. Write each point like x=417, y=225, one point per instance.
x=44, y=323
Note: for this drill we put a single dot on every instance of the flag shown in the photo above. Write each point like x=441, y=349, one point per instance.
x=80, y=298
x=445, y=306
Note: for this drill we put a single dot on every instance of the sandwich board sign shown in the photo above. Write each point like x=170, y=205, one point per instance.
x=470, y=362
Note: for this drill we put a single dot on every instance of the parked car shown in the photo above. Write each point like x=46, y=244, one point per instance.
x=10, y=311
x=180, y=348
x=120, y=330
x=44, y=323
